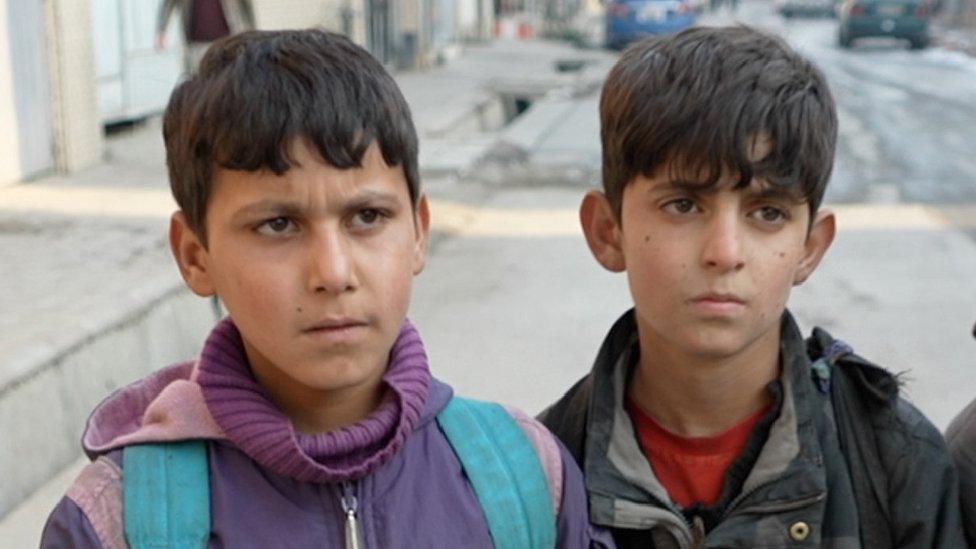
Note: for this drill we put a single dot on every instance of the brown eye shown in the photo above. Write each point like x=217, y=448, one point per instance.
x=771, y=214
x=369, y=217
x=680, y=206
x=276, y=226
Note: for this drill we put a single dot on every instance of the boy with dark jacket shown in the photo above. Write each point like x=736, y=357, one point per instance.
x=708, y=420
x=961, y=438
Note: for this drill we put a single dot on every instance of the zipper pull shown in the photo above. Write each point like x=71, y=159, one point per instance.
x=349, y=506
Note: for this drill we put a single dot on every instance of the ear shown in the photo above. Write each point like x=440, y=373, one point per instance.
x=191, y=256
x=602, y=231
x=818, y=241
x=421, y=221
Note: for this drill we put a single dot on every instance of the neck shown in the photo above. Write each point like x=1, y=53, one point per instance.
x=324, y=412
x=698, y=397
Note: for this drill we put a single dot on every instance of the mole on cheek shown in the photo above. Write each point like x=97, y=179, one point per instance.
x=299, y=309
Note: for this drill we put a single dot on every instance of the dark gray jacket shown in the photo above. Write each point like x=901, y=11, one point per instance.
x=961, y=437
x=801, y=481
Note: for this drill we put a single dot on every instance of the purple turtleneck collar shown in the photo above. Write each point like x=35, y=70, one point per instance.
x=243, y=410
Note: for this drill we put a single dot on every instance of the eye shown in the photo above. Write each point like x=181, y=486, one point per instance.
x=681, y=206
x=771, y=214
x=276, y=226
x=368, y=217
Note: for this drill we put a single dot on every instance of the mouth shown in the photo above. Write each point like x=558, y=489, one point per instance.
x=335, y=326
x=718, y=302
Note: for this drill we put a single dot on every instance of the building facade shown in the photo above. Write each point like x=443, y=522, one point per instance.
x=68, y=68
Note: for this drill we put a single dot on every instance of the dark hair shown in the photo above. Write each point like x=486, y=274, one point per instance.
x=698, y=100
x=257, y=92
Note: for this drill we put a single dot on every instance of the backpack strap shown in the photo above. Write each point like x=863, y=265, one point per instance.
x=166, y=486
x=166, y=495
x=504, y=471
x=843, y=374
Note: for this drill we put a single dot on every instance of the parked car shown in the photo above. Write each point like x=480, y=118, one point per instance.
x=806, y=8
x=629, y=20
x=904, y=19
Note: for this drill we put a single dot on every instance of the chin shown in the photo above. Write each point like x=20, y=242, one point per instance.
x=717, y=347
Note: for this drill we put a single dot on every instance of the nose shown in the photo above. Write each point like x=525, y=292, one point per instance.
x=722, y=248
x=330, y=263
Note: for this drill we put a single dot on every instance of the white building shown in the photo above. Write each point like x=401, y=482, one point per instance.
x=69, y=67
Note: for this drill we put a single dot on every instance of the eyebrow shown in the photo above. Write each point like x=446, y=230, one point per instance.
x=767, y=190
x=286, y=207
x=283, y=208
x=778, y=192
x=369, y=196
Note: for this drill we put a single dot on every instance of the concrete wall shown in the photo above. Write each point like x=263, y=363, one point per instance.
x=297, y=14
x=291, y=14
x=10, y=170
x=42, y=415
x=78, y=137
x=475, y=20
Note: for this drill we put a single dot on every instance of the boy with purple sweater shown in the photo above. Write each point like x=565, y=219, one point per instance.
x=293, y=159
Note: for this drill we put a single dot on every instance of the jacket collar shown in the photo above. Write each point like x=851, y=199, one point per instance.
x=217, y=398
x=624, y=493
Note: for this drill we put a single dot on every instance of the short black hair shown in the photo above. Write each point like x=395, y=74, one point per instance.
x=699, y=99
x=257, y=92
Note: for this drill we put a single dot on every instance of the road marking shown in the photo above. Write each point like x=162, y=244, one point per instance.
x=87, y=200
x=903, y=216
x=465, y=220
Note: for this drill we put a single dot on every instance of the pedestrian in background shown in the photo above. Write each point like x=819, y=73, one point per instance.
x=310, y=417
x=203, y=22
x=961, y=437
x=708, y=419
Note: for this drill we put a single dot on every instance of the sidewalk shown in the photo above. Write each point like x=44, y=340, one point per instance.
x=91, y=298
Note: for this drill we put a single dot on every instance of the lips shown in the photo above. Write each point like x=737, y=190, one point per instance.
x=719, y=298
x=718, y=303
x=331, y=332
x=334, y=325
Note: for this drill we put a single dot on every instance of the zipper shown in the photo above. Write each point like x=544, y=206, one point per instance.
x=775, y=507
x=350, y=505
x=635, y=516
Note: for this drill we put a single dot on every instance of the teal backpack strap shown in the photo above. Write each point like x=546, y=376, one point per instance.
x=504, y=471
x=166, y=495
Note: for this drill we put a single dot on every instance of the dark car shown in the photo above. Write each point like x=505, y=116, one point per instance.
x=806, y=8
x=904, y=19
x=629, y=20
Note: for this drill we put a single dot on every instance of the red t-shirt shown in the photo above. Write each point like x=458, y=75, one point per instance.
x=691, y=469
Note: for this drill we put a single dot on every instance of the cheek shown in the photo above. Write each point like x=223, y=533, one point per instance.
x=254, y=289
x=661, y=261
x=781, y=268
x=396, y=280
